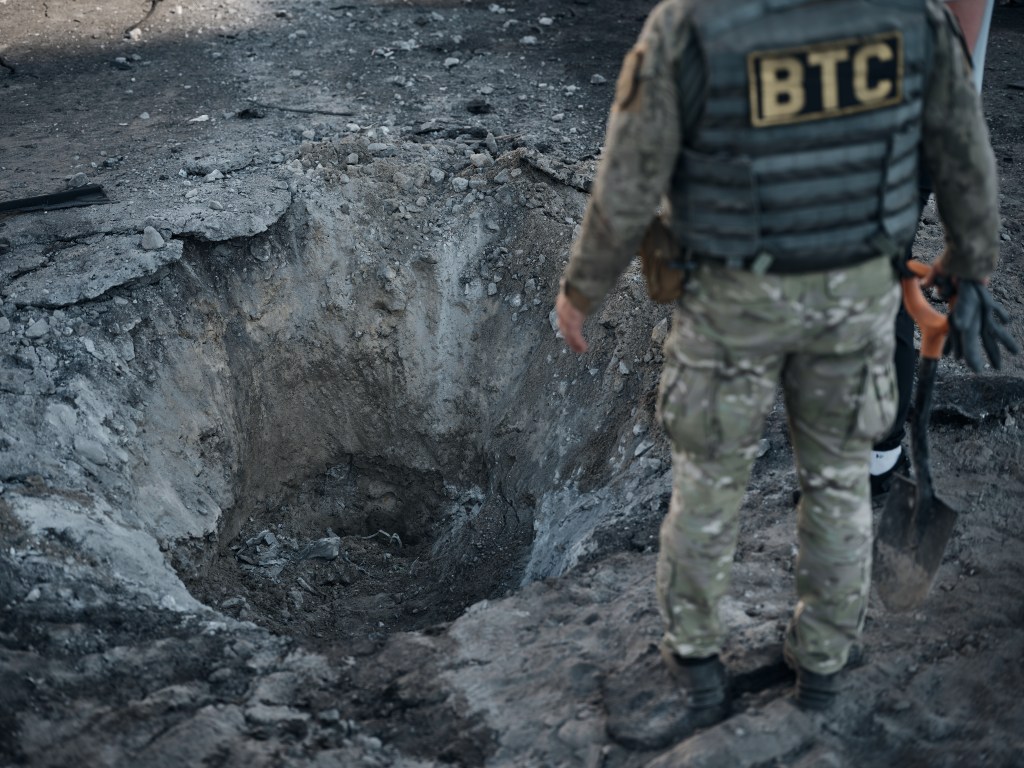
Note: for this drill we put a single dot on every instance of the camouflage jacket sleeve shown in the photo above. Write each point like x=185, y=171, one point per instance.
x=958, y=157
x=642, y=144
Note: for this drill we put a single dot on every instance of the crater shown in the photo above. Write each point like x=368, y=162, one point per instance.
x=367, y=409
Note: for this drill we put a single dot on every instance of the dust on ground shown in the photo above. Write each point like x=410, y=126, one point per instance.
x=385, y=588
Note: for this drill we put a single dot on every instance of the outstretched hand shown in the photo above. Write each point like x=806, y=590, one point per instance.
x=570, y=323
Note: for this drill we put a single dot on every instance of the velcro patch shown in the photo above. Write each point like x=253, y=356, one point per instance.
x=815, y=82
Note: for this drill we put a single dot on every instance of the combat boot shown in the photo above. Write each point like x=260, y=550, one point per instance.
x=650, y=707
x=815, y=692
x=705, y=681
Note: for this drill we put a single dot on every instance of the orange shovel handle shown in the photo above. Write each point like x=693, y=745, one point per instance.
x=933, y=324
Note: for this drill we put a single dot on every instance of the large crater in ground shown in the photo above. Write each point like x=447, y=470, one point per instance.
x=360, y=421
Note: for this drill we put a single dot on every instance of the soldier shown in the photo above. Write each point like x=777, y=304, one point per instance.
x=782, y=141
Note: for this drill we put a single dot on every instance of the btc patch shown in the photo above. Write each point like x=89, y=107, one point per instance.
x=823, y=80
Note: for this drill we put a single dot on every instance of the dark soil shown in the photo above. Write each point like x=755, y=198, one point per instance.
x=394, y=651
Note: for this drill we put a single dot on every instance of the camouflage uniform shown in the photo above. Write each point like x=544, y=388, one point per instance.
x=825, y=334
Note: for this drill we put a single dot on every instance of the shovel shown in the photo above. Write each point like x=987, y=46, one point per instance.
x=915, y=525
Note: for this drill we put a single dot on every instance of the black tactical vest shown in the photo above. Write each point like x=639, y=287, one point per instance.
x=805, y=155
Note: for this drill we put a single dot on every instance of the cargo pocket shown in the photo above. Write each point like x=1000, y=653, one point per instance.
x=685, y=397
x=878, y=402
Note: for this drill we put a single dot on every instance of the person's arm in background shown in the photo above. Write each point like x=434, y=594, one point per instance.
x=642, y=145
x=959, y=160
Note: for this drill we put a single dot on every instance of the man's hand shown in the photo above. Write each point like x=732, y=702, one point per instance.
x=570, y=323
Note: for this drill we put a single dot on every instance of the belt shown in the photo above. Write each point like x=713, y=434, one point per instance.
x=765, y=263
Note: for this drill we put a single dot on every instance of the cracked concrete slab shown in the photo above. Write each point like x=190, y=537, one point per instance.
x=87, y=270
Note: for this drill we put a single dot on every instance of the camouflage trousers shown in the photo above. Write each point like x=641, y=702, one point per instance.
x=827, y=338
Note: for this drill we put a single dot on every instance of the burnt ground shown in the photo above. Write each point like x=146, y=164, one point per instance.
x=412, y=530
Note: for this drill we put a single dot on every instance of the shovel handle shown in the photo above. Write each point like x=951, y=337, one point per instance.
x=933, y=324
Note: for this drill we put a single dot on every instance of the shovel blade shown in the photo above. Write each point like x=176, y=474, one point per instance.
x=911, y=540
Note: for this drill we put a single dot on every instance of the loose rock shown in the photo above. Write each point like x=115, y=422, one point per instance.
x=38, y=329
x=328, y=548
x=90, y=450
x=151, y=239
x=660, y=332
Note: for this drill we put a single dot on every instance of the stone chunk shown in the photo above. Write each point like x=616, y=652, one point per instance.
x=38, y=329
x=151, y=239
x=660, y=332
x=90, y=450
x=264, y=714
x=323, y=549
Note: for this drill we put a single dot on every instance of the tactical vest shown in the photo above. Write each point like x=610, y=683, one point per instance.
x=805, y=154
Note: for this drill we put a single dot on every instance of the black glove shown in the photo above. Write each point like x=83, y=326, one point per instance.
x=976, y=316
